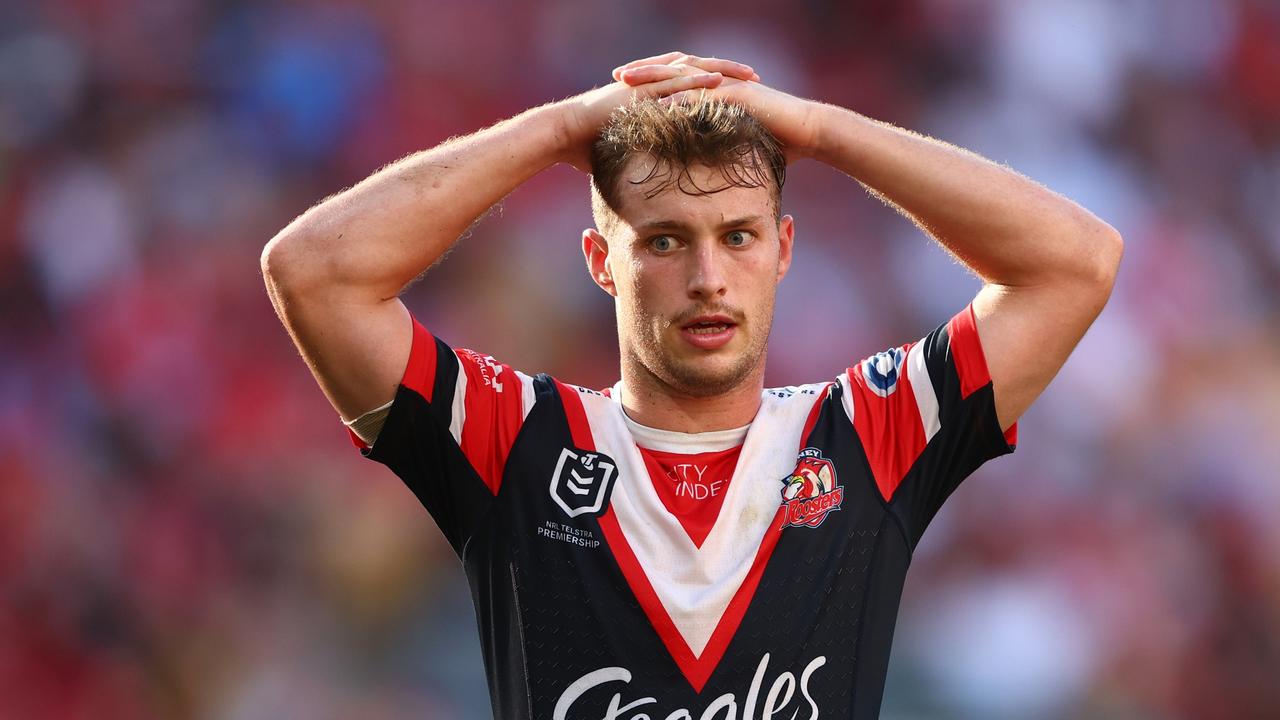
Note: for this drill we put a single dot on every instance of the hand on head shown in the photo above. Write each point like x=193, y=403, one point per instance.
x=584, y=115
x=659, y=67
x=680, y=77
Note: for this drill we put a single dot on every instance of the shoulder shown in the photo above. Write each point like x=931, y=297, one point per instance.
x=793, y=393
x=798, y=404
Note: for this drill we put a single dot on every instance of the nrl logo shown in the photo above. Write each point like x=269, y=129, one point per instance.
x=581, y=482
x=811, y=492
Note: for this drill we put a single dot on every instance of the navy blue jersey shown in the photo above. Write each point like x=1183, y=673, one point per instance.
x=592, y=600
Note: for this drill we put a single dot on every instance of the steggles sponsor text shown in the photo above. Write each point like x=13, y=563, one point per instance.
x=777, y=701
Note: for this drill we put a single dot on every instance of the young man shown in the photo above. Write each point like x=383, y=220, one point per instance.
x=688, y=544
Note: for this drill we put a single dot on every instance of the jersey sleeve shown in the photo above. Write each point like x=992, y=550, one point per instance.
x=450, y=429
x=925, y=415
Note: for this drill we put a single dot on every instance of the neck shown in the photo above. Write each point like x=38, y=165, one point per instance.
x=650, y=401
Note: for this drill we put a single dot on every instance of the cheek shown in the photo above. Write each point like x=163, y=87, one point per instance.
x=636, y=304
x=758, y=273
x=647, y=289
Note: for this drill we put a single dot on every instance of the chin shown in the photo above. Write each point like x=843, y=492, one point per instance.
x=707, y=379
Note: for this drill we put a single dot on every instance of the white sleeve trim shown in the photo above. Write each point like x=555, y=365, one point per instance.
x=458, y=410
x=527, y=396
x=369, y=424
x=922, y=386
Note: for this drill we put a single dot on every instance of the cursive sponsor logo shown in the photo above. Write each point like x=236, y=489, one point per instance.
x=780, y=700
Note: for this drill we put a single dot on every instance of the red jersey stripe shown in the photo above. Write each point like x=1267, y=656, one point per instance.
x=966, y=350
x=889, y=427
x=420, y=373
x=492, y=415
x=971, y=360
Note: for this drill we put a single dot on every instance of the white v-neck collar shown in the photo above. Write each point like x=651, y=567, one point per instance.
x=671, y=441
x=693, y=585
x=696, y=596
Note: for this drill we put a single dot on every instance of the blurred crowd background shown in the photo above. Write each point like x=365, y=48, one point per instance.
x=186, y=531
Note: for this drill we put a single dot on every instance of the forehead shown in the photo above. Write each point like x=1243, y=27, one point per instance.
x=641, y=202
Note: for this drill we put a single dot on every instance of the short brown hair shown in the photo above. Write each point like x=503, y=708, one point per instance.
x=707, y=131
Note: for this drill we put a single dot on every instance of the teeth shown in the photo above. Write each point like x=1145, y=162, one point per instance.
x=707, y=329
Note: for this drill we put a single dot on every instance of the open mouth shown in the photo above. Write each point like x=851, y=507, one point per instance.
x=709, y=332
x=708, y=328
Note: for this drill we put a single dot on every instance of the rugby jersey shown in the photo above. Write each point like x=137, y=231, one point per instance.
x=595, y=599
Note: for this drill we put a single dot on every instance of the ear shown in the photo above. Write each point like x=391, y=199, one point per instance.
x=786, y=240
x=595, y=249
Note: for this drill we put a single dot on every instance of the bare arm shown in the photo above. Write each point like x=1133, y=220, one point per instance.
x=1048, y=264
x=334, y=274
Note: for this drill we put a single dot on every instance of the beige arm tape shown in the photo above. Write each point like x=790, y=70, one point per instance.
x=367, y=426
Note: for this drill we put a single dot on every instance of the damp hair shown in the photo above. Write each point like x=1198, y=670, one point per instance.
x=707, y=131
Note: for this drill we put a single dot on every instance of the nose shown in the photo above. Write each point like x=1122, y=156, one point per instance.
x=707, y=272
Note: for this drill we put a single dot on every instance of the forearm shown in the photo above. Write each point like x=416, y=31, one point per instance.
x=1008, y=229
x=377, y=236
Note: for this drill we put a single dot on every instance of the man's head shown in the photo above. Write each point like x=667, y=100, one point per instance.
x=689, y=239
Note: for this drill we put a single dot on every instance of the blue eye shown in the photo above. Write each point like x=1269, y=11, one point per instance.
x=662, y=243
x=738, y=238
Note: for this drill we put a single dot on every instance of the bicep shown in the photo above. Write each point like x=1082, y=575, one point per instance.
x=1027, y=333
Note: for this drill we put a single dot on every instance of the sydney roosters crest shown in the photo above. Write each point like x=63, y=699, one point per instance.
x=811, y=492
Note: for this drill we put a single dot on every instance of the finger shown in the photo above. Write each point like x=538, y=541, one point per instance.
x=662, y=59
x=684, y=82
x=728, y=68
x=654, y=73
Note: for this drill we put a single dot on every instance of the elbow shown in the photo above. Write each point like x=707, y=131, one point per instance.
x=269, y=262
x=1110, y=250
x=1103, y=266
x=273, y=263
x=283, y=265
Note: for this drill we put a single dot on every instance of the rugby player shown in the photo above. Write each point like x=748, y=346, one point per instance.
x=688, y=543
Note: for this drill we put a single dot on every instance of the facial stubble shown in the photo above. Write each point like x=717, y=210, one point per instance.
x=693, y=376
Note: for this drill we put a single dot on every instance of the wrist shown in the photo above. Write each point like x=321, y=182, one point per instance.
x=818, y=118
x=554, y=129
x=576, y=122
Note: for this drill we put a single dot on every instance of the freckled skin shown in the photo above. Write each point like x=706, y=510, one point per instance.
x=664, y=278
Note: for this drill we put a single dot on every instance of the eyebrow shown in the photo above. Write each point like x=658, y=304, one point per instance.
x=678, y=225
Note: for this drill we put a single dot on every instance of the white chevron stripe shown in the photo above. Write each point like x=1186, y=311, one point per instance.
x=527, y=396
x=459, y=408
x=846, y=397
x=696, y=584
x=922, y=385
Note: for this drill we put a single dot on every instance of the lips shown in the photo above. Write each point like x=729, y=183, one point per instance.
x=709, y=332
x=709, y=321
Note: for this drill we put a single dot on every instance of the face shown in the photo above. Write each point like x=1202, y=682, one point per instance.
x=694, y=277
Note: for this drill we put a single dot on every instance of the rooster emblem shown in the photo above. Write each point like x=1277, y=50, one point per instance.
x=811, y=492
